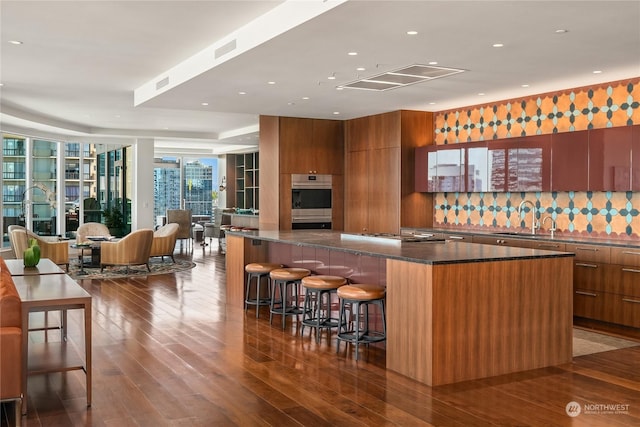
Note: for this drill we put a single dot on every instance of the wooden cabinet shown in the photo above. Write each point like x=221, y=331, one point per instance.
x=290, y=145
x=380, y=193
x=311, y=146
x=607, y=284
x=570, y=161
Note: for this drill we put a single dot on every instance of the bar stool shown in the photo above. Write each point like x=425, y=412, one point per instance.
x=317, y=287
x=357, y=295
x=258, y=271
x=283, y=279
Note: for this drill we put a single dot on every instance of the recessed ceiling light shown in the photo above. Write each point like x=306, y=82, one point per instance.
x=433, y=63
x=335, y=113
x=205, y=104
x=561, y=31
x=497, y=45
x=242, y=93
x=360, y=69
x=305, y=97
x=339, y=88
x=352, y=53
x=1, y=84
x=331, y=77
x=597, y=72
x=432, y=103
x=524, y=85
x=271, y=83
x=412, y=33
x=15, y=42
x=481, y=94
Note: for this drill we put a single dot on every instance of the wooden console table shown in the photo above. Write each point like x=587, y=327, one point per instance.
x=47, y=293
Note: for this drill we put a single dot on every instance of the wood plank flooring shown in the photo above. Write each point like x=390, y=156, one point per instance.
x=168, y=351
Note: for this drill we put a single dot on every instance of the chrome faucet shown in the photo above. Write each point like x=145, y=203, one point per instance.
x=534, y=221
x=553, y=224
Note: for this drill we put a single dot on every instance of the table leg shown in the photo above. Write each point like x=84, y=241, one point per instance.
x=87, y=348
x=25, y=357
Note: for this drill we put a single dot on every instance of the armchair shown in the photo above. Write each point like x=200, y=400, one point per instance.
x=182, y=217
x=91, y=229
x=164, y=241
x=133, y=249
x=55, y=250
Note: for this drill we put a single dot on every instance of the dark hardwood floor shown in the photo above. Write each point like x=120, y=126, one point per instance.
x=168, y=351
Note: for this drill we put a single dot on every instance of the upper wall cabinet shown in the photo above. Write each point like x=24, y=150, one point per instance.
x=311, y=146
x=610, y=159
x=520, y=164
x=635, y=158
x=591, y=160
x=570, y=161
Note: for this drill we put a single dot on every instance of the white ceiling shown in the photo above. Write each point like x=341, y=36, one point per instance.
x=89, y=69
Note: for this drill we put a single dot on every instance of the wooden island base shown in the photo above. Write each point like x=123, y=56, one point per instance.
x=456, y=321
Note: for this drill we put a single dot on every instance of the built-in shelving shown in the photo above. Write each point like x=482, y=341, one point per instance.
x=244, y=170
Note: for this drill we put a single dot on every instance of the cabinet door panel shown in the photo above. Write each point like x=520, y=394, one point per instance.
x=635, y=158
x=570, y=161
x=450, y=169
x=610, y=159
x=477, y=158
x=533, y=163
x=356, y=191
x=384, y=190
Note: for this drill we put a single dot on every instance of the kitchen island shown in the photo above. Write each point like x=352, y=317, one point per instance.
x=455, y=311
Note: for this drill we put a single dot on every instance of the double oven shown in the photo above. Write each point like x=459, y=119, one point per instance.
x=310, y=201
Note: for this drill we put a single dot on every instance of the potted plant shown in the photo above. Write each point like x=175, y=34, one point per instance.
x=114, y=220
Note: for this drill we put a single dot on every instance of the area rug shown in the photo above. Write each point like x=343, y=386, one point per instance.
x=157, y=266
x=587, y=342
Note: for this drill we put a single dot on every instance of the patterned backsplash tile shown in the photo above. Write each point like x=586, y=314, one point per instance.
x=595, y=214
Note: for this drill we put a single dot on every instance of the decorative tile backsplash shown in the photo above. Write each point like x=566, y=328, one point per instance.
x=593, y=214
x=606, y=105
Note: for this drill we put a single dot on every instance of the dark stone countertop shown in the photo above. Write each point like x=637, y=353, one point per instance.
x=427, y=252
x=543, y=236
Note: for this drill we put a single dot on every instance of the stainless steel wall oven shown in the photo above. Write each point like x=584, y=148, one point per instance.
x=310, y=201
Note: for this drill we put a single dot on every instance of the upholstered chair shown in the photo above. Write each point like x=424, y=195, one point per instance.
x=10, y=342
x=183, y=218
x=91, y=229
x=50, y=247
x=164, y=241
x=133, y=249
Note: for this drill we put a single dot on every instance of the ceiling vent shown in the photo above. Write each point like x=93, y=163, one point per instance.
x=402, y=77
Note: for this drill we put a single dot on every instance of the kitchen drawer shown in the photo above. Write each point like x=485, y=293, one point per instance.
x=626, y=256
x=594, y=276
x=592, y=253
x=627, y=280
x=458, y=237
x=501, y=241
x=607, y=307
x=589, y=304
x=548, y=246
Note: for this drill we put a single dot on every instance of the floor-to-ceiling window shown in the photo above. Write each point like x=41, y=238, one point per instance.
x=184, y=183
x=31, y=181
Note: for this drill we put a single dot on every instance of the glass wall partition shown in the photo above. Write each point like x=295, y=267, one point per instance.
x=31, y=181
